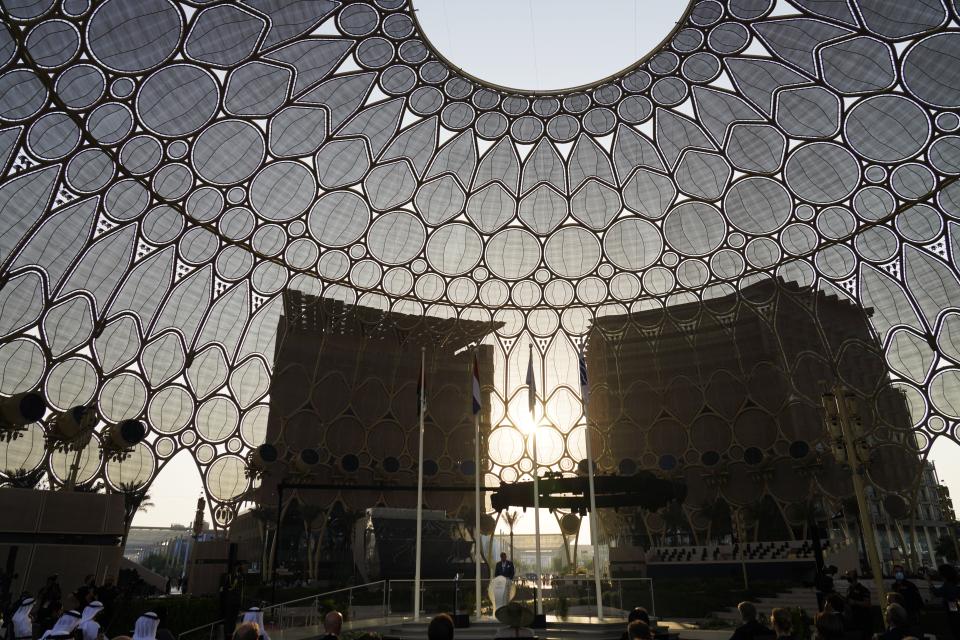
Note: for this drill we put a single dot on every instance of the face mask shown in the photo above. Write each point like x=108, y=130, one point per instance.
x=898, y=575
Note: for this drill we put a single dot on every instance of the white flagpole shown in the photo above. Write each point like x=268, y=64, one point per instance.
x=416, y=574
x=536, y=485
x=476, y=479
x=593, y=496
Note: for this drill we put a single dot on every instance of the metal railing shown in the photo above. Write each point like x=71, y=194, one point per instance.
x=563, y=596
x=383, y=599
x=358, y=602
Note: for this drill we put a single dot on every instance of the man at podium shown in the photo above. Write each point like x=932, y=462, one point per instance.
x=504, y=568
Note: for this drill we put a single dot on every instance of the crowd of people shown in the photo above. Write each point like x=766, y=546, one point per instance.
x=50, y=612
x=850, y=616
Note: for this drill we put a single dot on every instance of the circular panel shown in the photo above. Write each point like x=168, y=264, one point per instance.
x=338, y=218
x=633, y=244
x=694, y=228
x=217, y=419
x=396, y=237
x=282, y=190
x=131, y=37
x=170, y=409
x=822, y=172
x=228, y=152
x=757, y=205
x=513, y=254
x=226, y=478
x=454, y=249
x=21, y=94
x=929, y=72
x=177, y=100
x=887, y=128
x=572, y=252
x=135, y=470
x=505, y=446
x=122, y=397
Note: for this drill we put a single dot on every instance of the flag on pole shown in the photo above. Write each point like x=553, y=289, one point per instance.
x=476, y=385
x=584, y=387
x=531, y=384
x=421, y=381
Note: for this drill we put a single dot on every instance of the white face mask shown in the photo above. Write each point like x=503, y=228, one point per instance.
x=898, y=575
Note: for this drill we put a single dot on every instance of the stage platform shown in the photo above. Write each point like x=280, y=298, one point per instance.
x=405, y=628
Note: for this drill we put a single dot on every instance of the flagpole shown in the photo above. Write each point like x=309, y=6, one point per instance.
x=531, y=387
x=416, y=574
x=476, y=537
x=594, y=538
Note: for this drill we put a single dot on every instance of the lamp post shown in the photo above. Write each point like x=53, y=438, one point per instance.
x=845, y=428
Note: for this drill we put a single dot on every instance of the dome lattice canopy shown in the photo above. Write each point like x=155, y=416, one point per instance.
x=168, y=168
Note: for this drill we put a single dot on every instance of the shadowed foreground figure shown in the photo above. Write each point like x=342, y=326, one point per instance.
x=440, y=628
x=750, y=629
x=332, y=624
x=246, y=631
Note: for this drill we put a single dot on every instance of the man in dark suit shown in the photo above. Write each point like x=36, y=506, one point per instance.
x=504, y=568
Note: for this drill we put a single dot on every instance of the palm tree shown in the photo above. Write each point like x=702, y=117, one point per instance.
x=511, y=518
x=309, y=513
x=265, y=517
x=135, y=500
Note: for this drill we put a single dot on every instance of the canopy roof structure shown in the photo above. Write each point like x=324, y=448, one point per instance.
x=168, y=167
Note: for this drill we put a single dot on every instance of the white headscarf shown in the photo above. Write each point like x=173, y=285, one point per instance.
x=146, y=627
x=255, y=614
x=89, y=626
x=22, y=624
x=65, y=625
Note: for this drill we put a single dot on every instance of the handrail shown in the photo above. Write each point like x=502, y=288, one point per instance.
x=316, y=596
x=325, y=593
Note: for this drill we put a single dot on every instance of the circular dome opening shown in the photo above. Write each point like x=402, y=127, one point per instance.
x=546, y=46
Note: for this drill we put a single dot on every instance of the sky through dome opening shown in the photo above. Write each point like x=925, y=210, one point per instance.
x=546, y=45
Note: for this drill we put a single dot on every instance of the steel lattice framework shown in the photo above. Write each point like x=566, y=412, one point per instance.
x=169, y=167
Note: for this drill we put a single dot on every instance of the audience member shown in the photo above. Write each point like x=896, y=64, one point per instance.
x=836, y=603
x=50, y=603
x=782, y=624
x=823, y=583
x=64, y=627
x=89, y=627
x=146, y=626
x=859, y=615
x=22, y=620
x=829, y=626
x=86, y=592
x=639, y=630
x=440, y=628
x=911, y=600
x=638, y=613
x=255, y=614
x=163, y=633
x=332, y=624
x=897, y=622
x=750, y=629
x=231, y=589
x=246, y=631
x=892, y=597
x=949, y=595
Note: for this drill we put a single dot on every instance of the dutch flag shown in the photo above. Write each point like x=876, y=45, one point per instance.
x=476, y=386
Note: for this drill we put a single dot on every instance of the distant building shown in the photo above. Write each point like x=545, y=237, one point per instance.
x=725, y=393
x=344, y=410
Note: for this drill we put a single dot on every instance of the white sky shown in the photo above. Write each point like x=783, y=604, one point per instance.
x=494, y=40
